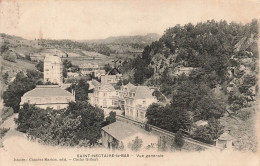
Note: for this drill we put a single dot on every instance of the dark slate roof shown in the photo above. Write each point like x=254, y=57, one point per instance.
x=119, y=130
x=47, y=90
x=142, y=92
x=113, y=71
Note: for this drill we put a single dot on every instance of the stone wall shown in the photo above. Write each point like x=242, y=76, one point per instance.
x=166, y=138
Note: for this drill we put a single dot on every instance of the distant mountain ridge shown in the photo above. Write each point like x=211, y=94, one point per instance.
x=141, y=39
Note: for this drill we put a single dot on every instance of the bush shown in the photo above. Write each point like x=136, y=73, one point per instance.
x=10, y=56
x=179, y=139
x=3, y=131
x=136, y=144
x=27, y=57
x=245, y=113
x=39, y=66
x=208, y=133
x=7, y=112
x=79, y=124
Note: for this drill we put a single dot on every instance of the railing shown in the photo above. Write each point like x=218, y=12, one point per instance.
x=166, y=133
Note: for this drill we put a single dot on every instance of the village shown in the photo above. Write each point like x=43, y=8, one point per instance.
x=129, y=102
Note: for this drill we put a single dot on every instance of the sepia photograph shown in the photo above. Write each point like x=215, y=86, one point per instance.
x=128, y=82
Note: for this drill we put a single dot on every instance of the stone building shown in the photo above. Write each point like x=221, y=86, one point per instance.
x=53, y=69
x=119, y=135
x=225, y=141
x=88, y=68
x=104, y=96
x=44, y=96
x=112, y=77
x=137, y=100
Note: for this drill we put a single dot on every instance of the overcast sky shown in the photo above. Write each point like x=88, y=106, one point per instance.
x=82, y=20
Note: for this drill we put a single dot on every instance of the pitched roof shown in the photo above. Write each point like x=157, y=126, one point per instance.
x=130, y=85
x=95, y=82
x=106, y=87
x=113, y=71
x=119, y=130
x=47, y=90
x=142, y=92
x=225, y=137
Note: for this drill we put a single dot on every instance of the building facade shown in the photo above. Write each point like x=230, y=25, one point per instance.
x=99, y=73
x=44, y=96
x=53, y=69
x=119, y=135
x=112, y=77
x=137, y=100
x=225, y=141
x=88, y=68
x=104, y=96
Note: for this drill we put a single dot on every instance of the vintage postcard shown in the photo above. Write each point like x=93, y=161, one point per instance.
x=128, y=82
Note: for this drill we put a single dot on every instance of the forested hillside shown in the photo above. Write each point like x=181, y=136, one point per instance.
x=220, y=55
x=207, y=71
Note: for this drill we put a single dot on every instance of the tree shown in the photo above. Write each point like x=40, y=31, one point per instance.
x=39, y=66
x=154, y=114
x=9, y=56
x=111, y=118
x=22, y=84
x=91, y=120
x=107, y=67
x=67, y=64
x=168, y=118
x=178, y=139
x=208, y=133
x=81, y=88
x=64, y=73
x=136, y=144
x=139, y=76
x=28, y=114
x=27, y=57
x=80, y=122
x=5, y=77
x=197, y=98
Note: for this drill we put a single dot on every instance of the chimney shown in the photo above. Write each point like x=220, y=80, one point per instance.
x=73, y=92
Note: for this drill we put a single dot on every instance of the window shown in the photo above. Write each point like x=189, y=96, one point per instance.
x=68, y=99
x=48, y=99
x=142, y=115
x=131, y=102
x=144, y=102
x=105, y=94
x=115, y=102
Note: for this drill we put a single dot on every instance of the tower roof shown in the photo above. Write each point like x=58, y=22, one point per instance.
x=52, y=58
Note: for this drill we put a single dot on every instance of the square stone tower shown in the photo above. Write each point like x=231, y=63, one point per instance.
x=53, y=69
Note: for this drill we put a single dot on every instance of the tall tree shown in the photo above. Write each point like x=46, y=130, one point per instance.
x=22, y=84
